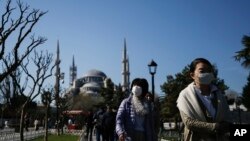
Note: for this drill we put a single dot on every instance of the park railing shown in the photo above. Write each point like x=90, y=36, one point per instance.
x=16, y=136
x=67, y=131
x=173, y=135
x=6, y=131
x=171, y=131
x=11, y=135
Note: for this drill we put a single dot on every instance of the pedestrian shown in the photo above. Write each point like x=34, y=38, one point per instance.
x=6, y=123
x=98, y=124
x=90, y=125
x=26, y=121
x=108, y=124
x=134, y=120
x=70, y=122
x=203, y=108
x=36, y=124
x=154, y=104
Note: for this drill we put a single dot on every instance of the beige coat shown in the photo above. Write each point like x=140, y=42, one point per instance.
x=197, y=127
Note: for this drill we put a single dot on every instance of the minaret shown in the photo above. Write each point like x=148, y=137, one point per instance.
x=57, y=84
x=72, y=72
x=58, y=54
x=58, y=61
x=125, y=71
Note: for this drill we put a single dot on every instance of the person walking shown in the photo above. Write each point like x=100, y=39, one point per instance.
x=203, y=108
x=89, y=125
x=36, y=124
x=98, y=124
x=108, y=124
x=6, y=123
x=134, y=120
x=26, y=122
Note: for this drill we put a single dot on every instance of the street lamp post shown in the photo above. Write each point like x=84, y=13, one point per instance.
x=152, y=70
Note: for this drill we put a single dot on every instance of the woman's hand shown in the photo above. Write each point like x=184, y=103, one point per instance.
x=222, y=127
x=122, y=137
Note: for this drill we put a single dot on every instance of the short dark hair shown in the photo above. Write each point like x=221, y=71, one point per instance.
x=142, y=82
x=198, y=60
x=144, y=85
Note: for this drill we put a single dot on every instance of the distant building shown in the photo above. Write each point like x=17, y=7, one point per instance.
x=93, y=80
x=90, y=83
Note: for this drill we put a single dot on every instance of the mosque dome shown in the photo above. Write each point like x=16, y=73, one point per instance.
x=94, y=73
x=92, y=84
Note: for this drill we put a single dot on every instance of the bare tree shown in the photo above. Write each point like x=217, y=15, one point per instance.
x=5, y=90
x=35, y=80
x=46, y=100
x=16, y=26
x=9, y=94
x=4, y=96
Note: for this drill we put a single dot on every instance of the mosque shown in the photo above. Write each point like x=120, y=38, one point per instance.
x=93, y=80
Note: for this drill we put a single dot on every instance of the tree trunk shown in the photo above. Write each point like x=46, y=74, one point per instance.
x=22, y=123
x=46, y=123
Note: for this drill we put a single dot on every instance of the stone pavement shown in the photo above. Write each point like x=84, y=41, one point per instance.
x=83, y=138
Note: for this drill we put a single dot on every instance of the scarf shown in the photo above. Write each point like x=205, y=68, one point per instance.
x=187, y=102
x=140, y=107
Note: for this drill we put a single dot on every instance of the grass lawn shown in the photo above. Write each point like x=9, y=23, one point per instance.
x=59, y=138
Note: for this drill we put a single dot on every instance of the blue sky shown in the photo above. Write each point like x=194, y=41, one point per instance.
x=172, y=32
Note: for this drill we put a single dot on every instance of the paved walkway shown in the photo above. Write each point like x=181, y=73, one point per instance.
x=83, y=138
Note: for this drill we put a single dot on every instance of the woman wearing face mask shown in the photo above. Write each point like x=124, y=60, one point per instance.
x=203, y=109
x=134, y=120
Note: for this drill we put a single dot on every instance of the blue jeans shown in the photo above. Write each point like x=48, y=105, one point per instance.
x=98, y=134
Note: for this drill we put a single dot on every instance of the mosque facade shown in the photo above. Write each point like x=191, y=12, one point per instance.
x=90, y=83
x=93, y=80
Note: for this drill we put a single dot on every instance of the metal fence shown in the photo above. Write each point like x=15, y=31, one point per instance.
x=172, y=134
x=16, y=136
x=10, y=135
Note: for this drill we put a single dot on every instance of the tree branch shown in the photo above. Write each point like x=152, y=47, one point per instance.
x=24, y=25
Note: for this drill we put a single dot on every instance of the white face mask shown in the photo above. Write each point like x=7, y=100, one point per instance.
x=205, y=78
x=137, y=90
